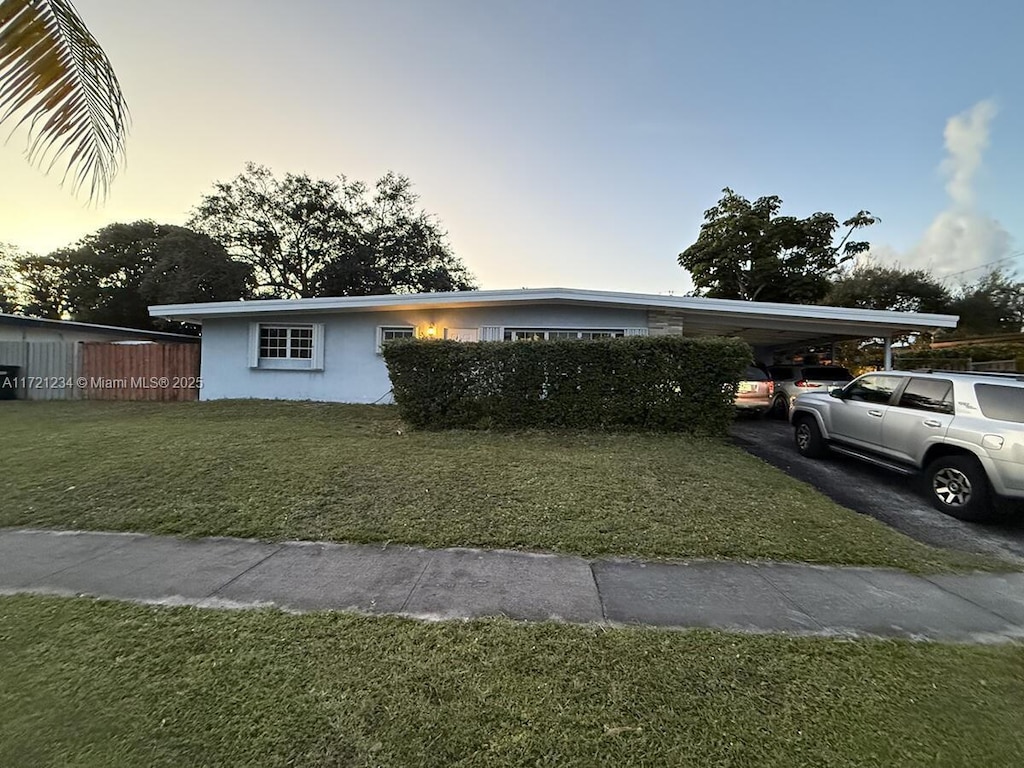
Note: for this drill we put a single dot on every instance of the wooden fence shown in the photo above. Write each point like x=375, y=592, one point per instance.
x=167, y=372
x=67, y=370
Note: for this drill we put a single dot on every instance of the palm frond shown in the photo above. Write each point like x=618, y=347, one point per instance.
x=55, y=76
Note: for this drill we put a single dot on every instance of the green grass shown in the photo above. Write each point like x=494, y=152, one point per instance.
x=86, y=683
x=354, y=473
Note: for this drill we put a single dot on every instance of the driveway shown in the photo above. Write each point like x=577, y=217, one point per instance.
x=870, y=490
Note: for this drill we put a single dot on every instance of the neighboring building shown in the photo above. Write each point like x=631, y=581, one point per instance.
x=44, y=359
x=22, y=328
x=330, y=348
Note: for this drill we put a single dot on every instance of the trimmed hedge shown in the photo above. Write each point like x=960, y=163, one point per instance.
x=650, y=383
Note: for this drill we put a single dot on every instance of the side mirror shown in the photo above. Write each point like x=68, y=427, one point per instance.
x=836, y=393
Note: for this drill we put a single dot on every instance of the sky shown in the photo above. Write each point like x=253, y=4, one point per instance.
x=574, y=143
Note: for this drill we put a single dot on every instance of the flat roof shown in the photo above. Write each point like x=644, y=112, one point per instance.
x=25, y=321
x=758, y=322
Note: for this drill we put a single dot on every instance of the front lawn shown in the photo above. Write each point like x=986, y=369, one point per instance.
x=97, y=684
x=355, y=473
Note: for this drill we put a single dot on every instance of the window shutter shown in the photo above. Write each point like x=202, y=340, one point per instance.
x=491, y=333
x=636, y=331
x=254, y=345
x=318, y=347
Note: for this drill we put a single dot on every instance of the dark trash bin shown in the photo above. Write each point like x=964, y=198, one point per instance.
x=9, y=375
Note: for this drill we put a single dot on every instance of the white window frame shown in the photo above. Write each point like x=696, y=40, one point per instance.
x=381, y=329
x=288, y=363
x=454, y=334
x=545, y=332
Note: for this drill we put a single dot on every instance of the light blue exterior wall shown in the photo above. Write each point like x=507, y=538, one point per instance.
x=353, y=371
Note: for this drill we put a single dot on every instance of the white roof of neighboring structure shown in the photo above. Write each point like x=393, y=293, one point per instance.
x=758, y=322
x=27, y=321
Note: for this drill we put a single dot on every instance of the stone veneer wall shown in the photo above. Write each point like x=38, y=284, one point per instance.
x=664, y=322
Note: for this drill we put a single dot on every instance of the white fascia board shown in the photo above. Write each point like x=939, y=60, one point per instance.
x=687, y=305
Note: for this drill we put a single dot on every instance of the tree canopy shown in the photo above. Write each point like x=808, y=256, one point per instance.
x=873, y=286
x=747, y=250
x=9, y=279
x=995, y=304
x=112, y=276
x=306, y=237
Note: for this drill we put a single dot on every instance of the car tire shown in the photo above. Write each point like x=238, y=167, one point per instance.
x=808, y=438
x=957, y=486
x=780, y=408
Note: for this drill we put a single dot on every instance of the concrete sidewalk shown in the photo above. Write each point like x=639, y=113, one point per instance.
x=470, y=583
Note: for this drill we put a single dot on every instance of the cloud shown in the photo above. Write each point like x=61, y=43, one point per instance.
x=960, y=238
x=966, y=141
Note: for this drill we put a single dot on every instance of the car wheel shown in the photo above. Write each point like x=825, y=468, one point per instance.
x=957, y=486
x=809, y=441
x=780, y=408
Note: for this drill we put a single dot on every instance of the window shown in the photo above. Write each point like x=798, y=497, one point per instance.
x=539, y=334
x=934, y=395
x=783, y=372
x=826, y=373
x=754, y=373
x=872, y=389
x=392, y=332
x=462, y=334
x=296, y=347
x=1001, y=402
x=291, y=342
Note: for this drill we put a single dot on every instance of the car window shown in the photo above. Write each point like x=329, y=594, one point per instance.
x=827, y=373
x=782, y=372
x=1001, y=402
x=934, y=395
x=872, y=389
x=755, y=374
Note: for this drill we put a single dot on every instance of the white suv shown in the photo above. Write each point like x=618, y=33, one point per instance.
x=964, y=431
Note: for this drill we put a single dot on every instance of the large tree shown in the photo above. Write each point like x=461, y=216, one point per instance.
x=747, y=250
x=307, y=237
x=9, y=284
x=56, y=79
x=111, y=277
x=874, y=286
x=995, y=304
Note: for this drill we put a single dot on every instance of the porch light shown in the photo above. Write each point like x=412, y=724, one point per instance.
x=431, y=331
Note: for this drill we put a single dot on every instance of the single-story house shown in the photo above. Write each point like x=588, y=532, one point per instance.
x=25, y=328
x=329, y=349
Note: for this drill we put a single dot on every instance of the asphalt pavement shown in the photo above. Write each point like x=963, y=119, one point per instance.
x=892, y=498
x=469, y=583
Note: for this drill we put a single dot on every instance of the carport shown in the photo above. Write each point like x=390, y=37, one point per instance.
x=770, y=327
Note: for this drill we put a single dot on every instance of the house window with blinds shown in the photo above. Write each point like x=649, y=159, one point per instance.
x=548, y=334
x=387, y=333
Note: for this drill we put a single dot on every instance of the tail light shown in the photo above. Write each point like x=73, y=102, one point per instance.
x=805, y=384
x=770, y=386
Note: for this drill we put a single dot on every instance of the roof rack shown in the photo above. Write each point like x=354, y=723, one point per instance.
x=994, y=374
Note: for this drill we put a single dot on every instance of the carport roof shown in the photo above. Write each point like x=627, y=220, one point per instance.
x=761, y=323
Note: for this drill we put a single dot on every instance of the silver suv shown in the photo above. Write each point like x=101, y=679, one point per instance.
x=792, y=380
x=964, y=431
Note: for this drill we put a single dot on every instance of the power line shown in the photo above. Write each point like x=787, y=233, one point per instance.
x=1009, y=257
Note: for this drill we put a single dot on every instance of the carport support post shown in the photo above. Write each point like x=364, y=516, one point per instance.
x=888, y=353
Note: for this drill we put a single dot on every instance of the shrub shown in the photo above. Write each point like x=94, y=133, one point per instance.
x=650, y=383
x=979, y=353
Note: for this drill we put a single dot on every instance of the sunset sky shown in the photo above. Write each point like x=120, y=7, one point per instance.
x=573, y=143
